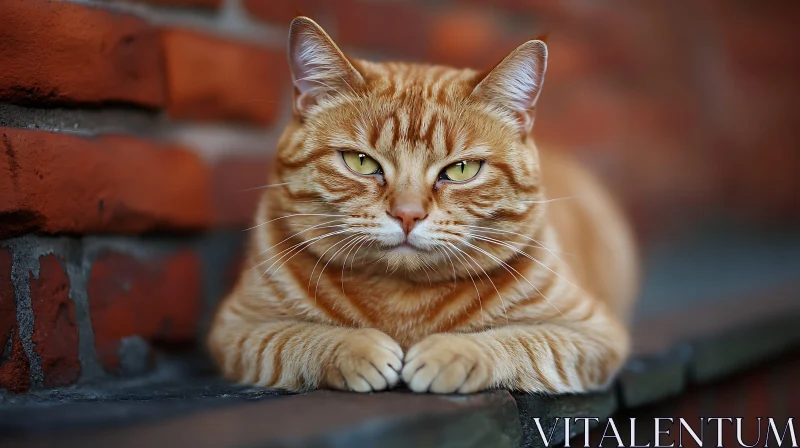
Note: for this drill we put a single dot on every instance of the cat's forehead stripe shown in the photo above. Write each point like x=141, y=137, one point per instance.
x=387, y=133
x=425, y=123
x=437, y=83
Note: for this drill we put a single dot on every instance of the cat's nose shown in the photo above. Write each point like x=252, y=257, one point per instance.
x=408, y=214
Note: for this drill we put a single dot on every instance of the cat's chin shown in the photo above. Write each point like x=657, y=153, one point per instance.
x=409, y=253
x=405, y=248
x=406, y=257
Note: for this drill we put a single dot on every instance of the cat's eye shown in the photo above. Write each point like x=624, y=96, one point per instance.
x=461, y=171
x=361, y=163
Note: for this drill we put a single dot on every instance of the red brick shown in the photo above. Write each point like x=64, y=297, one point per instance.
x=750, y=50
x=55, y=331
x=569, y=58
x=14, y=369
x=59, y=52
x=752, y=37
x=235, y=192
x=541, y=8
x=8, y=317
x=216, y=79
x=57, y=183
x=578, y=115
x=399, y=28
x=466, y=38
x=282, y=12
x=214, y=4
x=471, y=38
x=158, y=299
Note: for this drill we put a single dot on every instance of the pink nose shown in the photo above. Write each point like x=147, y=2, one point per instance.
x=408, y=215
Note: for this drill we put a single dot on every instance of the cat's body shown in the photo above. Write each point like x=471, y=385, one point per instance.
x=355, y=281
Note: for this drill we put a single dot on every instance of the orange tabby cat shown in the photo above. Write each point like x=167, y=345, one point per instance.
x=409, y=237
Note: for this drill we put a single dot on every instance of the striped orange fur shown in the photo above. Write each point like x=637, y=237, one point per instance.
x=520, y=277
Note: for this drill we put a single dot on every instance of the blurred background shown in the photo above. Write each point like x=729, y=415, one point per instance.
x=135, y=132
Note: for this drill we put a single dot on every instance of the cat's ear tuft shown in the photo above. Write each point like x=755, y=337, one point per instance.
x=515, y=83
x=318, y=66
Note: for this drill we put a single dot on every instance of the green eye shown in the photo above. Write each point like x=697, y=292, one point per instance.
x=361, y=163
x=461, y=171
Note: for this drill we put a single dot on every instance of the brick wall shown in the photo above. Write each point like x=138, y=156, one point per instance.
x=130, y=130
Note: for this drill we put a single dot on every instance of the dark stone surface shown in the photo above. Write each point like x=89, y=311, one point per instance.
x=322, y=418
x=768, y=390
x=714, y=265
x=551, y=411
x=647, y=379
x=709, y=341
x=709, y=319
x=726, y=353
x=183, y=403
x=104, y=407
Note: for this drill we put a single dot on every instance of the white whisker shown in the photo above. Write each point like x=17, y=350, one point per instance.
x=263, y=187
x=480, y=302
x=318, y=226
x=500, y=296
x=286, y=250
x=538, y=291
x=307, y=243
x=455, y=277
x=547, y=201
x=311, y=276
x=504, y=264
x=351, y=239
x=526, y=255
x=361, y=239
x=289, y=216
x=369, y=242
x=500, y=231
x=425, y=267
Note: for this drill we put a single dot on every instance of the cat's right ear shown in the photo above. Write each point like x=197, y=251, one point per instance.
x=319, y=68
x=514, y=84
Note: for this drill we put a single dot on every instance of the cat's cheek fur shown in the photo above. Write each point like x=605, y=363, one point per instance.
x=365, y=360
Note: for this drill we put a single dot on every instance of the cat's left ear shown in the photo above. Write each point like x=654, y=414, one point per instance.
x=515, y=83
x=319, y=68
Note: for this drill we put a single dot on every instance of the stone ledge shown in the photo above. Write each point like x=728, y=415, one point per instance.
x=650, y=378
x=328, y=418
x=551, y=410
x=172, y=406
x=736, y=349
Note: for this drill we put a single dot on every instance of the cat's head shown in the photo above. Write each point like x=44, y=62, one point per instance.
x=416, y=166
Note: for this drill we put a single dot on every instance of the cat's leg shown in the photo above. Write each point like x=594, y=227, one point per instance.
x=556, y=356
x=299, y=355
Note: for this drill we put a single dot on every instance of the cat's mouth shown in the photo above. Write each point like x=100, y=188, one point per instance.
x=406, y=247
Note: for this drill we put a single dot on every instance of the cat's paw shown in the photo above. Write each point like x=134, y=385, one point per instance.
x=366, y=360
x=447, y=363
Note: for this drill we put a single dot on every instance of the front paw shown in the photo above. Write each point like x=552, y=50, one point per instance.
x=366, y=360
x=447, y=363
